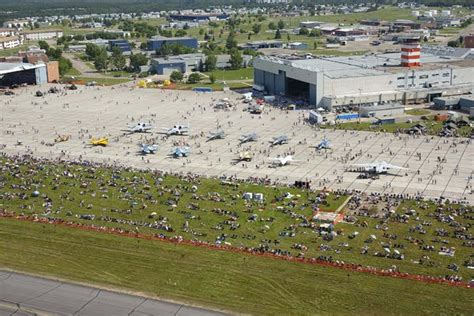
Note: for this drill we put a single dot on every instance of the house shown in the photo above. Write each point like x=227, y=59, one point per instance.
x=262, y=44
x=4, y=32
x=10, y=42
x=297, y=45
x=37, y=35
x=157, y=41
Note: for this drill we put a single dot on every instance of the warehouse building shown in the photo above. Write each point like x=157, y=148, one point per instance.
x=182, y=63
x=22, y=73
x=332, y=82
x=382, y=110
x=123, y=45
x=157, y=41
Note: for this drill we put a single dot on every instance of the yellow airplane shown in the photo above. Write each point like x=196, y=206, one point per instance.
x=62, y=138
x=103, y=141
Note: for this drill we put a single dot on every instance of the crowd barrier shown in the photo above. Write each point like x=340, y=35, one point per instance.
x=345, y=266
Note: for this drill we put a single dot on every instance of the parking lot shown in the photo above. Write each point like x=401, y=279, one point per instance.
x=29, y=124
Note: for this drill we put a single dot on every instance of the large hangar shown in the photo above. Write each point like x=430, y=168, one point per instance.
x=22, y=73
x=332, y=82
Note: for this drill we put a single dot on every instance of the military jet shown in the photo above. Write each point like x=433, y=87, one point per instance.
x=248, y=138
x=176, y=130
x=282, y=161
x=280, y=140
x=148, y=149
x=101, y=141
x=377, y=167
x=179, y=152
x=141, y=127
x=216, y=135
x=324, y=144
x=243, y=156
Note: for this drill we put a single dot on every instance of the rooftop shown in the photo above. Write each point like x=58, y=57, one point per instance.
x=6, y=68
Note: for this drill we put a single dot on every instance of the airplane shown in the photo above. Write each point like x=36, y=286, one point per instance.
x=282, y=161
x=324, y=144
x=179, y=152
x=102, y=141
x=217, y=135
x=248, y=138
x=148, y=149
x=176, y=130
x=141, y=127
x=377, y=167
x=62, y=138
x=280, y=140
x=243, y=156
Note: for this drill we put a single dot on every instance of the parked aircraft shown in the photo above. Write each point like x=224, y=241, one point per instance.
x=179, y=152
x=102, y=141
x=141, y=127
x=148, y=149
x=280, y=140
x=377, y=167
x=282, y=161
x=216, y=135
x=243, y=156
x=248, y=138
x=324, y=144
x=176, y=130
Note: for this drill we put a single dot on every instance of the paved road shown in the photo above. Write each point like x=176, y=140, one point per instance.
x=26, y=295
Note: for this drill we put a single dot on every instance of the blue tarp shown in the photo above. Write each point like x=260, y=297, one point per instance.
x=202, y=89
x=347, y=116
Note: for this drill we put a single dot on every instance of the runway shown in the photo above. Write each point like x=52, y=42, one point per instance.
x=27, y=295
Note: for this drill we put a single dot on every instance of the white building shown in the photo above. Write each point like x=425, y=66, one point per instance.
x=10, y=42
x=37, y=35
x=8, y=32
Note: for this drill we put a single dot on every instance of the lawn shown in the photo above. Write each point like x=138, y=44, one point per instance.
x=73, y=72
x=230, y=281
x=433, y=127
x=104, y=81
x=240, y=74
x=212, y=212
x=417, y=112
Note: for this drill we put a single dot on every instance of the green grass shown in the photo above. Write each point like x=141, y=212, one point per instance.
x=73, y=72
x=104, y=81
x=433, y=127
x=417, y=112
x=240, y=283
x=240, y=74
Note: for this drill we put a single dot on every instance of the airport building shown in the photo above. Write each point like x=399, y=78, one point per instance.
x=410, y=76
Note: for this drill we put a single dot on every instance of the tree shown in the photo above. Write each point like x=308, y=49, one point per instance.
x=236, y=59
x=138, y=60
x=92, y=50
x=315, y=45
x=210, y=63
x=43, y=45
x=176, y=76
x=101, y=60
x=278, y=34
x=64, y=65
x=212, y=78
x=315, y=33
x=281, y=24
x=256, y=28
x=180, y=33
x=304, y=31
x=272, y=26
x=118, y=59
x=194, y=78
x=54, y=53
x=231, y=42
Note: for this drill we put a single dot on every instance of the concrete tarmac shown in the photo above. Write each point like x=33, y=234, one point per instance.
x=27, y=295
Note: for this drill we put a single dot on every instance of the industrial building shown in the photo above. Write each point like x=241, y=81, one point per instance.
x=22, y=73
x=123, y=45
x=182, y=63
x=157, y=41
x=332, y=82
x=382, y=110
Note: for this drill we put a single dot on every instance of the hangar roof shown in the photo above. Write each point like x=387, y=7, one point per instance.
x=6, y=68
x=373, y=64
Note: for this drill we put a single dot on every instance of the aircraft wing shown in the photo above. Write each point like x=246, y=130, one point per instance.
x=397, y=167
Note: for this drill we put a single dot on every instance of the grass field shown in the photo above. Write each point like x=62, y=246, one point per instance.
x=244, y=284
x=105, y=81
x=240, y=74
x=433, y=127
x=73, y=72
x=417, y=112
x=216, y=213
